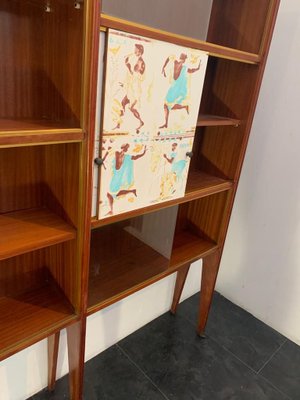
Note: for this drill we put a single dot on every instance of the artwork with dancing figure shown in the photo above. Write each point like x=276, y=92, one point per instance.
x=152, y=93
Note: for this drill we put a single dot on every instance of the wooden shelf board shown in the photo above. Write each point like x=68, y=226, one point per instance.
x=28, y=317
x=214, y=50
x=140, y=268
x=28, y=230
x=199, y=185
x=188, y=247
x=23, y=132
x=215, y=120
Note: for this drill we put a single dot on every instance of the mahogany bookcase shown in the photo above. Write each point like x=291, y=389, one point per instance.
x=49, y=242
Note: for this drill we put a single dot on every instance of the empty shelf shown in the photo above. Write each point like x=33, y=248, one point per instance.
x=28, y=230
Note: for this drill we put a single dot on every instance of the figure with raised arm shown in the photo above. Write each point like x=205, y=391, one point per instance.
x=122, y=181
x=170, y=180
x=178, y=91
x=135, y=65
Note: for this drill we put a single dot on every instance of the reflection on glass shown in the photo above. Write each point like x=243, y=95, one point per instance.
x=129, y=252
x=134, y=242
x=189, y=17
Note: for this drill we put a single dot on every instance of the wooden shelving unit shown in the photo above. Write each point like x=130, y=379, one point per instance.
x=58, y=264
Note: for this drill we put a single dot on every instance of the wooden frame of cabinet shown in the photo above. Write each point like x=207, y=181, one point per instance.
x=47, y=126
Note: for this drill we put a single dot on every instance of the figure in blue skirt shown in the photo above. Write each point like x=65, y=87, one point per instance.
x=170, y=180
x=178, y=91
x=122, y=175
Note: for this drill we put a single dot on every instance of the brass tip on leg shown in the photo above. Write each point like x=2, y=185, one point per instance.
x=201, y=335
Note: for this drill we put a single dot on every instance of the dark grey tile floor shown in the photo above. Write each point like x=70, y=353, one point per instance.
x=241, y=359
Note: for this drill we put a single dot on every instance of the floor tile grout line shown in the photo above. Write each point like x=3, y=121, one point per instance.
x=246, y=365
x=222, y=346
x=270, y=358
x=142, y=371
x=226, y=350
x=243, y=362
x=256, y=373
x=234, y=355
x=275, y=387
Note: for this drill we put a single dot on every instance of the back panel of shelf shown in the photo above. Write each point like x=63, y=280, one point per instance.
x=228, y=88
x=198, y=227
x=229, y=23
x=238, y=24
x=41, y=176
x=168, y=15
x=205, y=216
x=228, y=92
x=41, y=67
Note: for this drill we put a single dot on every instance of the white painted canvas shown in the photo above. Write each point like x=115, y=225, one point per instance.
x=151, y=103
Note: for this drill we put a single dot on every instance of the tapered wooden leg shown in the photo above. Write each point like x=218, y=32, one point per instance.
x=209, y=275
x=179, y=285
x=76, y=345
x=53, y=345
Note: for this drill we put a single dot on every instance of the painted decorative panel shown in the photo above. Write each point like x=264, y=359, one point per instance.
x=152, y=96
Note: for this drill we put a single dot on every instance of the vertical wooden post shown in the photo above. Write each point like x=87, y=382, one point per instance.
x=76, y=347
x=210, y=269
x=53, y=345
x=179, y=285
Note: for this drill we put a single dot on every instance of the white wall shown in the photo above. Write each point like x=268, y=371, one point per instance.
x=260, y=270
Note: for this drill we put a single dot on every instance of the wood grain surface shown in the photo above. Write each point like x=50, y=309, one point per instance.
x=28, y=230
